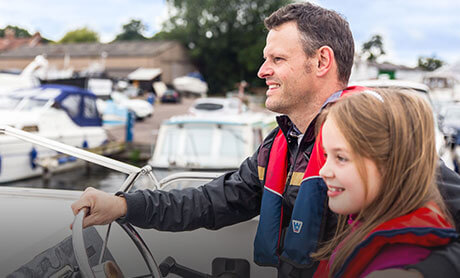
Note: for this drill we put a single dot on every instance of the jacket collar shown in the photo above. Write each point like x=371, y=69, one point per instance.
x=290, y=131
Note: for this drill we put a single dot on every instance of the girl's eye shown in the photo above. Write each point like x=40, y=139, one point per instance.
x=341, y=158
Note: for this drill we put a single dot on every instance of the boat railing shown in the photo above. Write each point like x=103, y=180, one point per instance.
x=133, y=172
x=196, y=177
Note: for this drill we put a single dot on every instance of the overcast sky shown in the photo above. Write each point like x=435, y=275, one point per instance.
x=410, y=28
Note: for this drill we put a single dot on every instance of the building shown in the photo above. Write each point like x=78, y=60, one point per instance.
x=363, y=70
x=10, y=41
x=117, y=58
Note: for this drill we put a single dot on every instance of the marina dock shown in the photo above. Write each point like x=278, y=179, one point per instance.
x=145, y=132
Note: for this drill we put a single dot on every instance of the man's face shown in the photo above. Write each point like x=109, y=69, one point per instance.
x=287, y=70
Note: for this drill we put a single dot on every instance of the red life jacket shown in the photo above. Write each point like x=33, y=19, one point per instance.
x=302, y=236
x=423, y=227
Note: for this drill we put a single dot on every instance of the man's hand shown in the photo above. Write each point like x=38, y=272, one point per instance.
x=103, y=207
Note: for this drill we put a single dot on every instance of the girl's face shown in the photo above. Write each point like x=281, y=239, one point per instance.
x=346, y=189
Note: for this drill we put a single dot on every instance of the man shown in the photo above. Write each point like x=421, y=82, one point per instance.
x=308, y=59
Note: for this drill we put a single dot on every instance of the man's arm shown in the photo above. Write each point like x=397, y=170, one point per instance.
x=449, y=185
x=445, y=262
x=234, y=197
x=231, y=198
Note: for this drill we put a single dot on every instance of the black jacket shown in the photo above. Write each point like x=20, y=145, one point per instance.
x=236, y=196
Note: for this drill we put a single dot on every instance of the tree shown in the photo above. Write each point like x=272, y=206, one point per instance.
x=80, y=35
x=373, y=48
x=19, y=32
x=225, y=38
x=132, y=31
x=429, y=63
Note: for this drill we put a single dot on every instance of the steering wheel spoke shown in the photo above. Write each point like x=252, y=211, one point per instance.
x=82, y=257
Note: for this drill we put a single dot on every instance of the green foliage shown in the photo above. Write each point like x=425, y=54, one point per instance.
x=20, y=33
x=373, y=48
x=225, y=38
x=429, y=63
x=80, y=35
x=132, y=31
x=46, y=41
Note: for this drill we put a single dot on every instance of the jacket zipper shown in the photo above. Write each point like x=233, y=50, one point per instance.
x=288, y=182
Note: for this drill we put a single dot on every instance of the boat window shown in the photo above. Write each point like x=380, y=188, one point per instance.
x=90, y=110
x=34, y=103
x=439, y=82
x=171, y=142
x=198, y=140
x=71, y=103
x=8, y=103
x=233, y=142
x=209, y=106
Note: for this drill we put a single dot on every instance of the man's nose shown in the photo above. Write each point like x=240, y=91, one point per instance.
x=265, y=70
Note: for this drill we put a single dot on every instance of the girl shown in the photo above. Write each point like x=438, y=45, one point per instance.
x=380, y=166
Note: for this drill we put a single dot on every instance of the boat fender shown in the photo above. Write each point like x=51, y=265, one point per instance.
x=62, y=160
x=65, y=159
x=33, y=155
x=85, y=144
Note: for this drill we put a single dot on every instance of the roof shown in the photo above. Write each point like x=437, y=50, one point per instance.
x=388, y=83
x=144, y=74
x=128, y=48
x=250, y=118
x=390, y=66
x=11, y=41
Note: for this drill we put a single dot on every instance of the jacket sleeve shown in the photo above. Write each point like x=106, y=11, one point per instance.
x=445, y=262
x=232, y=198
x=449, y=185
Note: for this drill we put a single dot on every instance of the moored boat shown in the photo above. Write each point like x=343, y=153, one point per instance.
x=209, y=140
x=63, y=113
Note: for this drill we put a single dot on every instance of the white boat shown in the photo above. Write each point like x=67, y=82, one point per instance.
x=445, y=86
x=214, y=141
x=62, y=113
x=26, y=79
x=142, y=109
x=191, y=85
x=116, y=106
x=36, y=240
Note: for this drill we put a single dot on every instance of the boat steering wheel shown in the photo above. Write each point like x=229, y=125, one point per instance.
x=82, y=257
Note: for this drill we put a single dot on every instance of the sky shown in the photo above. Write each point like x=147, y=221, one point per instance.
x=410, y=28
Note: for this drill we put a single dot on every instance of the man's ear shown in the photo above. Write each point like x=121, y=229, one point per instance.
x=325, y=57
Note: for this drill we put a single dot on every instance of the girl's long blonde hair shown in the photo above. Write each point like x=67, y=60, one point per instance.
x=395, y=129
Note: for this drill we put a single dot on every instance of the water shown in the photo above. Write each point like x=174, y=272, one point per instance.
x=77, y=179
x=90, y=175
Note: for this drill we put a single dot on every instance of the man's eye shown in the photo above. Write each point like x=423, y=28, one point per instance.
x=277, y=59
